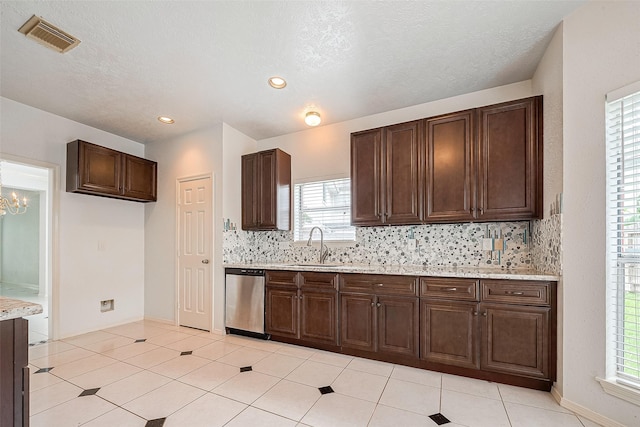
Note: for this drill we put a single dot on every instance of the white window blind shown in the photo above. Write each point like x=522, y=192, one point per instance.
x=325, y=204
x=623, y=249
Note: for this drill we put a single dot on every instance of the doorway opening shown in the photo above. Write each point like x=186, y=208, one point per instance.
x=26, y=242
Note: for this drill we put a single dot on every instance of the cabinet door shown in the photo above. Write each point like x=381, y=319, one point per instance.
x=509, y=170
x=139, y=178
x=450, y=168
x=515, y=339
x=357, y=321
x=100, y=169
x=250, y=191
x=282, y=312
x=403, y=150
x=267, y=206
x=398, y=323
x=366, y=176
x=319, y=316
x=449, y=332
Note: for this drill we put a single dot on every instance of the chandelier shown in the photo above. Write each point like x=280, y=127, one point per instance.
x=13, y=206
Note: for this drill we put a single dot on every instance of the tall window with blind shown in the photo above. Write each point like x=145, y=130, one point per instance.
x=325, y=204
x=623, y=235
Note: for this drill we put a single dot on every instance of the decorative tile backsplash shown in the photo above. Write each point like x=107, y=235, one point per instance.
x=546, y=254
x=529, y=245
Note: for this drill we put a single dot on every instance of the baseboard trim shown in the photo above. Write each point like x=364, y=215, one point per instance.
x=99, y=328
x=159, y=320
x=583, y=412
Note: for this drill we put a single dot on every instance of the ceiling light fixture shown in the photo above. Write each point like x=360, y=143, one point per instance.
x=277, y=82
x=312, y=118
x=15, y=206
x=166, y=120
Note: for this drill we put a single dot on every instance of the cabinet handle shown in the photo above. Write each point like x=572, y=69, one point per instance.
x=300, y=297
x=450, y=289
x=481, y=210
x=484, y=314
x=379, y=284
x=373, y=304
x=378, y=305
x=471, y=210
x=475, y=313
x=513, y=293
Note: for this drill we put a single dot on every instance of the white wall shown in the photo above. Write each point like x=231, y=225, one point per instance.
x=194, y=154
x=547, y=81
x=325, y=151
x=86, y=275
x=601, y=53
x=235, y=144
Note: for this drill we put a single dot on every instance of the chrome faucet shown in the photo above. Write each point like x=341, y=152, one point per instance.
x=324, y=250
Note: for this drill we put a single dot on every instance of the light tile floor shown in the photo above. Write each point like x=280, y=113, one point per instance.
x=153, y=374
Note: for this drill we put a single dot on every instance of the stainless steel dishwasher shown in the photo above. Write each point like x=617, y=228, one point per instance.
x=244, y=301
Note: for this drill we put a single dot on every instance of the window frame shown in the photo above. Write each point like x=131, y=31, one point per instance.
x=618, y=241
x=300, y=238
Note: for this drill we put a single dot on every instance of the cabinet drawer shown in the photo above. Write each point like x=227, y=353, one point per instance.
x=379, y=284
x=449, y=288
x=328, y=281
x=515, y=292
x=282, y=278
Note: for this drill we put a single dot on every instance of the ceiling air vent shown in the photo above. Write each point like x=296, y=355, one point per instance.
x=48, y=35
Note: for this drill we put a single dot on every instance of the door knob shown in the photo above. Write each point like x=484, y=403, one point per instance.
x=205, y=261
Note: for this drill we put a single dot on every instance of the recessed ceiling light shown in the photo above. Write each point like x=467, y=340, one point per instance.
x=312, y=118
x=166, y=120
x=277, y=82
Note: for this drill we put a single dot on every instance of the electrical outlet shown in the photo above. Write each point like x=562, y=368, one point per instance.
x=411, y=244
x=106, y=305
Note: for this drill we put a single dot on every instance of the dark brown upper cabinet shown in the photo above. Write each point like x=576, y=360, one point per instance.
x=510, y=160
x=450, y=167
x=266, y=191
x=483, y=164
x=387, y=175
x=100, y=171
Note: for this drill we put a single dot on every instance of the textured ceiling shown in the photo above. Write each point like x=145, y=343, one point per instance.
x=203, y=62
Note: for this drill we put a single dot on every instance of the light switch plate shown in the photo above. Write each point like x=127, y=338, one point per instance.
x=411, y=244
x=487, y=244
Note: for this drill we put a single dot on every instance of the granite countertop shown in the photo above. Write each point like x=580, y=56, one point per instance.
x=409, y=270
x=14, y=308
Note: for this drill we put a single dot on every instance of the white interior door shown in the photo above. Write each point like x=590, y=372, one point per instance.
x=194, y=229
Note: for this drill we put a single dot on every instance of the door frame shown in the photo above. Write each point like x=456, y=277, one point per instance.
x=176, y=248
x=53, y=237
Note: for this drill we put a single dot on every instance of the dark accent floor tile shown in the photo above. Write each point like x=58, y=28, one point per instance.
x=43, y=370
x=325, y=390
x=158, y=422
x=89, y=392
x=141, y=340
x=186, y=353
x=439, y=419
x=246, y=369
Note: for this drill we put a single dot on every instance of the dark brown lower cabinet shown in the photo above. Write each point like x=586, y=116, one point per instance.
x=302, y=307
x=496, y=330
x=382, y=324
x=449, y=332
x=319, y=316
x=515, y=339
x=357, y=321
x=282, y=312
x=14, y=371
